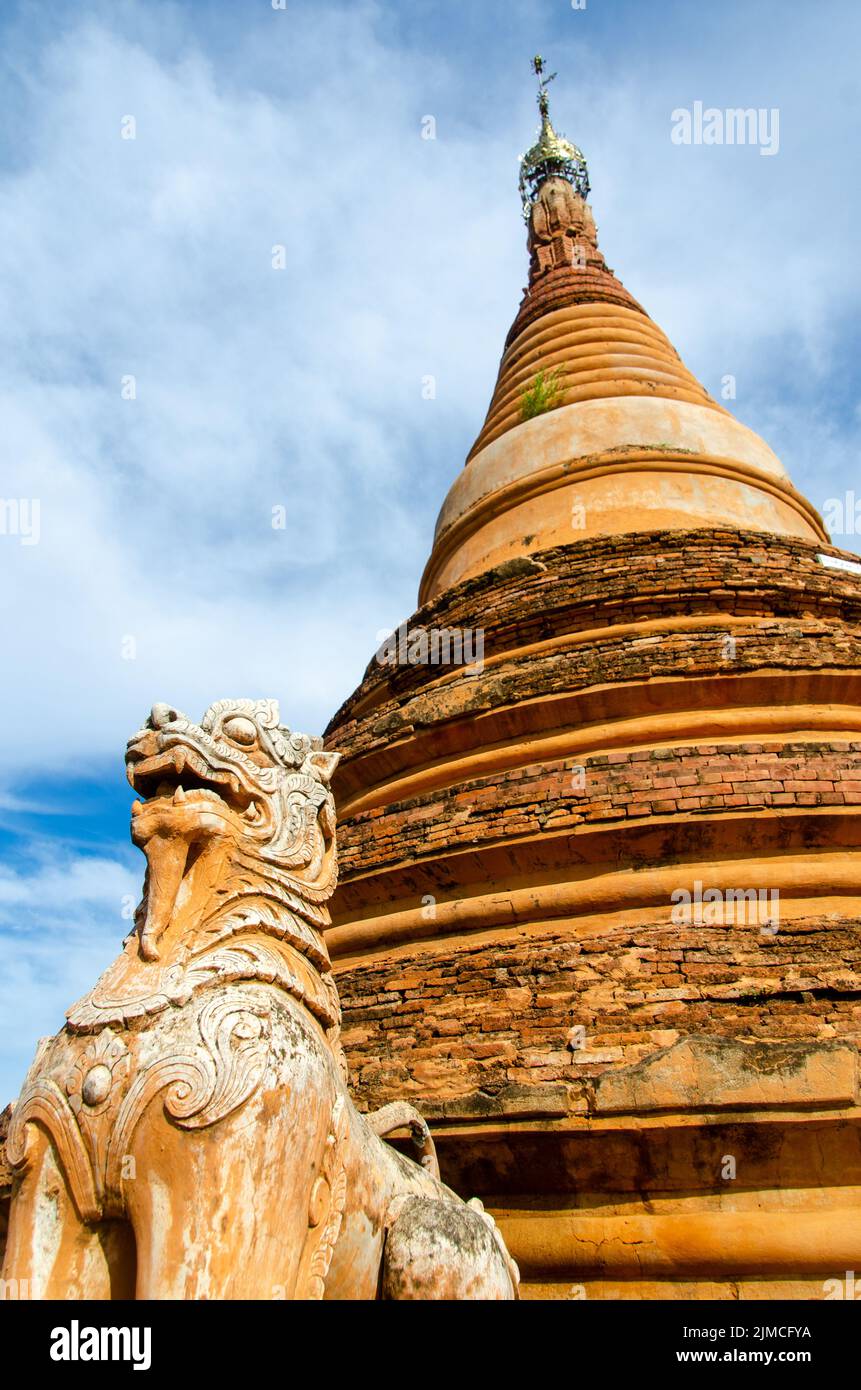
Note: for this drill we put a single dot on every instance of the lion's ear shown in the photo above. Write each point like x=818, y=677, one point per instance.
x=325, y=764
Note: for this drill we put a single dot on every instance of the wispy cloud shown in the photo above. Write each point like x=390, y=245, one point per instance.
x=159, y=573
x=62, y=919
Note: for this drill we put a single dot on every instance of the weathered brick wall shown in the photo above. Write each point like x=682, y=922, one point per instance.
x=488, y=1027
x=469, y=1027
x=615, y=786
x=812, y=619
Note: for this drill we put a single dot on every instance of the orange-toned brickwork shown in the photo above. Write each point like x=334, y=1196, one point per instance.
x=599, y=904
x=522, y=1027
x=609, y=787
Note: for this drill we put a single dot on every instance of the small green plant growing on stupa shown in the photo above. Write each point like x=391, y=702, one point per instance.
x=542, y=395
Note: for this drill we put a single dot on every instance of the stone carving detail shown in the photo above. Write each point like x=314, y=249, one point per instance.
x=43, y=1104
x=325, y=1210
x=198, y=1092
x=92, y=1078
x=562, y=230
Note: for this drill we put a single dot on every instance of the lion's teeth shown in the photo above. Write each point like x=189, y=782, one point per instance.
x=179, y=795
x=136, y=808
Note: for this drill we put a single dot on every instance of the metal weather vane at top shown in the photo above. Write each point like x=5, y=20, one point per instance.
x=552, y=156
x=543, y=84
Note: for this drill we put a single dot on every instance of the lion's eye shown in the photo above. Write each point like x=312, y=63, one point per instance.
x=240, y=731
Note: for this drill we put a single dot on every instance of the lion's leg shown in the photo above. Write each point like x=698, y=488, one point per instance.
x=51, y=1252
x=445, y=1250
x=231, y=1211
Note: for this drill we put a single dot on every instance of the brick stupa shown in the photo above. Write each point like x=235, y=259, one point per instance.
x=599, y=905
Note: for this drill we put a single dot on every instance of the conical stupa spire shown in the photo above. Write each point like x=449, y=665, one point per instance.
x=596, y=426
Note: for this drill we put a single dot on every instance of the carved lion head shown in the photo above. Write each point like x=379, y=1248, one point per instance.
x=240, y=783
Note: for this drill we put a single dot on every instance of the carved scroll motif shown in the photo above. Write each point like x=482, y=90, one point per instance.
x=248, y=959
x=43, y=1103
x=204, y=1085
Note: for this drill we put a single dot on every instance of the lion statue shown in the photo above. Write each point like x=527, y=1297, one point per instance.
x=189, y=1133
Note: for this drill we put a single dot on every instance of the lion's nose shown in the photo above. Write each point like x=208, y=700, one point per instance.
x=161, y=715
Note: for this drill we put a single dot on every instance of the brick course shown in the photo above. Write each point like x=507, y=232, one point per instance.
x=492, y=1018
x=801, y=617
x=671, y=781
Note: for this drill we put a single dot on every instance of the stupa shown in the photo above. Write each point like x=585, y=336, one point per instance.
x=599, y=809
x=599, y=819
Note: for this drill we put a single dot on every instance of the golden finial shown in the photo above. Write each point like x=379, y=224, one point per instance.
x=553, y=156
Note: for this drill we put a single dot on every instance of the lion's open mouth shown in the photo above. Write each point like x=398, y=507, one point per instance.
x=180, y=774
x=188, y=806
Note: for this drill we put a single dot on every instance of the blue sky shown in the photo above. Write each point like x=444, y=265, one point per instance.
x=158, y=574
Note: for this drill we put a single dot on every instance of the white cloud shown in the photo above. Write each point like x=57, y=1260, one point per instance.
x=254, y=388
x=257, y=387
x=65, y=887
x=61, y=923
